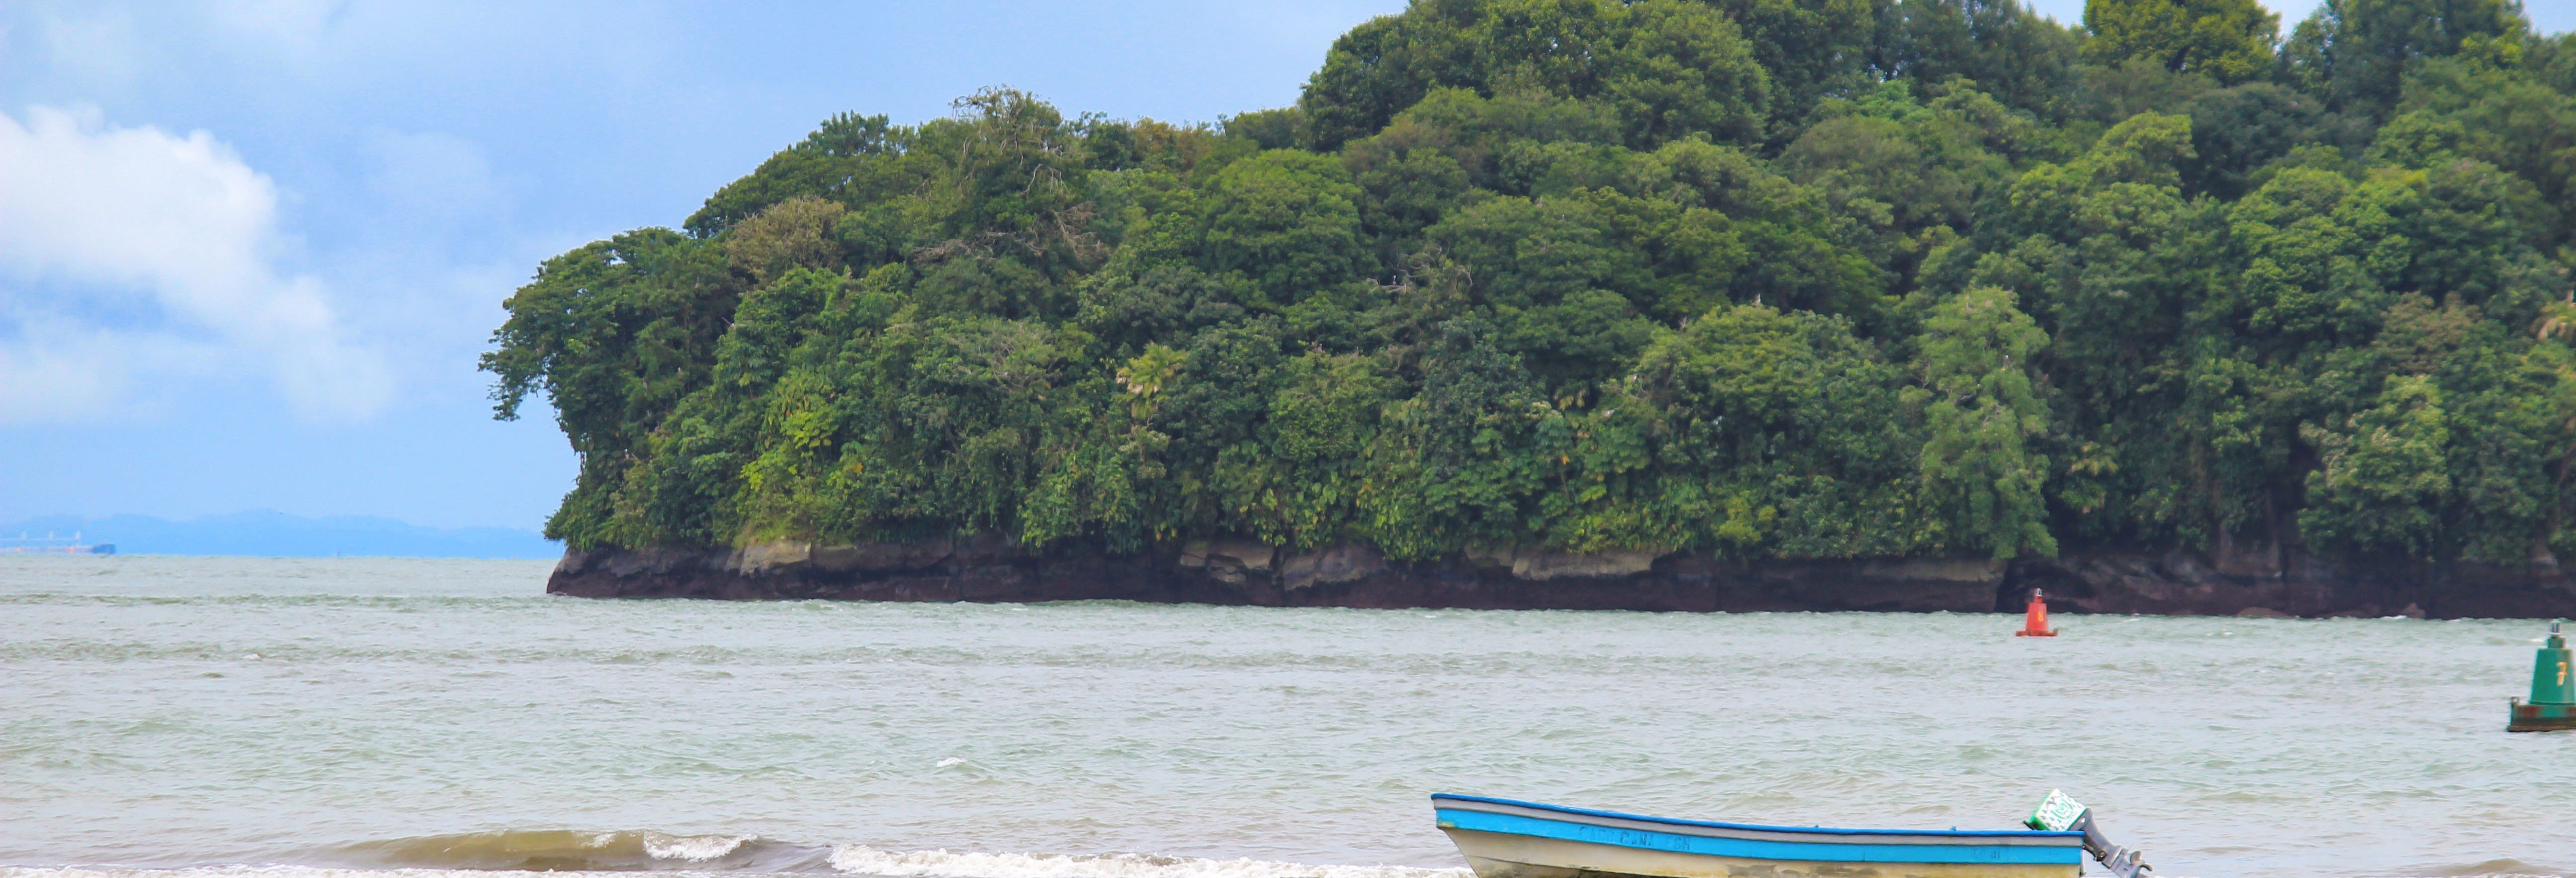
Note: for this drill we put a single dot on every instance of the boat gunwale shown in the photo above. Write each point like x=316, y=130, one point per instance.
x=1436, y=798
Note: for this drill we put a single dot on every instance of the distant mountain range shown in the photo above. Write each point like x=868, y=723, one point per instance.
x=265, y=532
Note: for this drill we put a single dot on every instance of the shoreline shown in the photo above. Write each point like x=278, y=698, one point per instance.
x=1245, y=573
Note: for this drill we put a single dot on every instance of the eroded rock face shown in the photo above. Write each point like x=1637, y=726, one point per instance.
x=1343, y=563
x=988, y=568
x=1937, y=569
x=1244, y=553
x=1543, y=566
x=882, y=557
x=1538, y=565
x=1229, y=561
x=759, y=558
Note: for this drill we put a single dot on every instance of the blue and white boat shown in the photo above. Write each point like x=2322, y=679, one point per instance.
x=1507, y=839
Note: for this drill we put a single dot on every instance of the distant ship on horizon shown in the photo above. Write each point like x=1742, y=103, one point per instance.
x=50, y=544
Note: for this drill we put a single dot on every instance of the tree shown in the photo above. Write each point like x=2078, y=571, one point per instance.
x=2237, y=131
x=2354, y=53
x=1810, y=48
x=1288, y=221
x=2000, y=46
x=1775, y=430
x=1667, y=68
x=2228, y=40
x=2383, y=479
x=1980, y=476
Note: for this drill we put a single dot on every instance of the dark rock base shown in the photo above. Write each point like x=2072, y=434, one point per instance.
x=1353, y=576
x=2183, y=583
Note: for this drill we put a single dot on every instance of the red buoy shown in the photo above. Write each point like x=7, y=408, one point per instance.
x=2036, y=624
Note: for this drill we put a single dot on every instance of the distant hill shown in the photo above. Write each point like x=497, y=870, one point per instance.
x=265, y=532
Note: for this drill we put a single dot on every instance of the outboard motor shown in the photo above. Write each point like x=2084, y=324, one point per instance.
x=2058, y=813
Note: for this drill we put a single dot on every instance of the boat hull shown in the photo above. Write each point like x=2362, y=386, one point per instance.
x=1504, y=839
x=1494, y=855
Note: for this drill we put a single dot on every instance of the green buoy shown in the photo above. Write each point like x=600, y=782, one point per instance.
x=2553, y=691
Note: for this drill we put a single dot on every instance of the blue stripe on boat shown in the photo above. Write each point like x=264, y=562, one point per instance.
x=2073, y=837
x=1846, y=852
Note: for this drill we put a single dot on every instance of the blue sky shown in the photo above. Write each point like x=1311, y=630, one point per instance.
x=250, y=250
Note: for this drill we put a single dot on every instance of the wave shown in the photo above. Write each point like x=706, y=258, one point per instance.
x=575, y=850
x=2498, y=868
x=864, y=860
x=533, y=851
x=529, y=852
x=568, y=850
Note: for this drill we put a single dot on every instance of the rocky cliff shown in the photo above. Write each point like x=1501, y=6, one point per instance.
x=1251, y=573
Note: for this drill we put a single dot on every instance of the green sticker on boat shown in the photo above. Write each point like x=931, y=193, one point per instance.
x=2056, y=813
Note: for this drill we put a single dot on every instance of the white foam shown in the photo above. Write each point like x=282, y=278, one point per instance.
x=246, y=871
x=864, y=860
x=691, y=848
x=1140, y=866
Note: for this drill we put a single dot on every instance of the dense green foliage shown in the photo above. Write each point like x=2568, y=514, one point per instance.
x=1766, y=278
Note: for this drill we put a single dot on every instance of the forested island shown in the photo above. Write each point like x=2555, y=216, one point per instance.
x=1546, y=302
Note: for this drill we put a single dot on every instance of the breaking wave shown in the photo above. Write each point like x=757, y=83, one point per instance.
x=531, y=851
x=528, y=852
x=2498, y=868
x=567, y=850
x=864, y=860
x=574, y=850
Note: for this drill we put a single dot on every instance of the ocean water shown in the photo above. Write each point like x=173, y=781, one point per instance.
x=345, y=718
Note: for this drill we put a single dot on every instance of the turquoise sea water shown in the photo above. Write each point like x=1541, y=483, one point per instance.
x=346, y=716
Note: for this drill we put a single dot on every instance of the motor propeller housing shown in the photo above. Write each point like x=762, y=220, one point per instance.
x=2060, y=813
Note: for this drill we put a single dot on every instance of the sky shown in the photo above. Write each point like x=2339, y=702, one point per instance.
x=249, y=251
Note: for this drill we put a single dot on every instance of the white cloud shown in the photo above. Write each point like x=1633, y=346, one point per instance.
x=130, y=255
